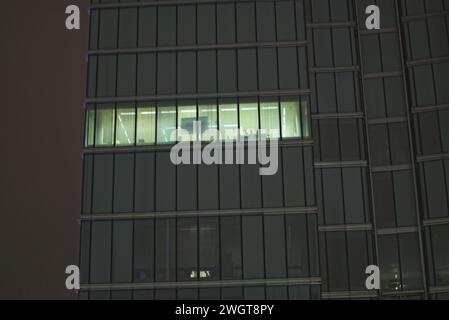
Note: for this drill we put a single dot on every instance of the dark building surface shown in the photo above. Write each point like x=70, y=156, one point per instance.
x=363, y=122
x=42, y=81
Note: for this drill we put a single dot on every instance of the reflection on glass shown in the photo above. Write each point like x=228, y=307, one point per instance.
x=269, y=120
x=290, y=119
x=249, y=121
x=166, y=124
x=104, y=133
x=90, y=127
x=208, y=117
x=146, y=125
x=228, y=122
x=186, y=120
x=125, y=127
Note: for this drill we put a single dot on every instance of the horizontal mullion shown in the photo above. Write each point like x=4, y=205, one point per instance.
x=334, y=69
x=326, y=25
x=349, y=294
x=167, y=147
x=378, y=31
x=391, y=168
x=347, y=115
x=399, y=230
x=203, y=213
x=249, y=45
x=345, y=227
x=235, y=94
x=420, y=62
x=385, y=74
x=169, y=3
x=432, y=157
x=203, y=284
x=435, y=222
x=421, y=109
x=340, y=164
x=387, y=120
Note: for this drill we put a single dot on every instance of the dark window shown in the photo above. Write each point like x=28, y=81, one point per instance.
x=146, y=74
x=147, y=27
x=128, y=28
x=226, y=22
x=100, y=262
x=124, y=183
x=167, y=26
x=275, y=258
x=337, y=267
x=186, y=19
x=102, y=191
x=285, y=12
x=144, y=251
x=246, y=25
x=165, y=253
x=187, y=72
x=166, y=73
x=122, y=248
x=266, y=30
x=253, y=257
x=297, y=246
x=206, y=24
x=231, y=251
x=209, y=254
x=333, y=196
x=108, y=28
x=187, y=249
x=107, y=66
x=436, y=189
x=440, y=243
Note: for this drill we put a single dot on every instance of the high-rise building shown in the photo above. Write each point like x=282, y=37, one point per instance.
x=362, y=118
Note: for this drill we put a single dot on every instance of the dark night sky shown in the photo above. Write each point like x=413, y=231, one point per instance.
x=42, y=81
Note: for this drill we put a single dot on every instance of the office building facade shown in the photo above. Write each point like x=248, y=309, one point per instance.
x=362, y=120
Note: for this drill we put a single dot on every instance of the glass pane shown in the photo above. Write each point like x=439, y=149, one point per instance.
x=209, y=257
x=186, y=119
x=228, y=121
x=146, y=125
x=126, y=123
x=144, y=251
x=249, y=121
x=187, y=249
x=90, y=127
x=290, y=119
x=305, y=119
x=104, y=133
x=269, y=120
x=208, y=117
x=166, y=124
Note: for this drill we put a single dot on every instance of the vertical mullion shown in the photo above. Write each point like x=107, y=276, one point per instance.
x=368, y=148
x=412, y=152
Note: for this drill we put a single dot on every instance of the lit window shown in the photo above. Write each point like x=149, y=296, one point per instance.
x=186, y=120
x=269, y=120
x=125, y=127
x=228, y=121
x=146, y=125
x=166, y=124
x=104, y=129
x=290, y=119
x=305, y=119
x=208, y=117
x=90, y=127
x=249, y=121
